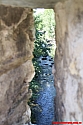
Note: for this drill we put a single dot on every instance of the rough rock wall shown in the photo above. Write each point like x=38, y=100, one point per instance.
x=69, y=60
x=31, y=3
x=16, y=69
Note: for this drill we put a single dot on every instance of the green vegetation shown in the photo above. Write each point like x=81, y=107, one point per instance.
x=44, y=30
x=45, y=21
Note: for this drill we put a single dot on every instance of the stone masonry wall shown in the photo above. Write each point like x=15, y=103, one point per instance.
x=16, y=68
x=69, y=61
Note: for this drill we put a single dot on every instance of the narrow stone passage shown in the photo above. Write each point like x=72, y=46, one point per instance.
x=47, y=93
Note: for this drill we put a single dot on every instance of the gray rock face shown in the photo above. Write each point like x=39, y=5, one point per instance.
x=31, y=3
x=16, y=68
x=69, y=60
x=14, y=95
x=16, y=37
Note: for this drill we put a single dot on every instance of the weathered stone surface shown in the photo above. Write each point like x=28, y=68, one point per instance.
x=14, y=95
x=69, y=61
x=16, y=46
x=16, y=68
x=16, y=37
x=31, y=3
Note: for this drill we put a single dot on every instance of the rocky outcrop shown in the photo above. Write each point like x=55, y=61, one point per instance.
x=69, y=61
x=14, y=95
x=16, y=68
x=31, y=3
x=16, y=37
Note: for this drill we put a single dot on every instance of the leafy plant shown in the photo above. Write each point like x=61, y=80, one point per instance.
x=44, y=28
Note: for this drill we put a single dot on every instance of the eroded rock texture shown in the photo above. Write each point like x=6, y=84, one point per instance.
x=16, y=37
x=69, y=60
x=16, y=69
